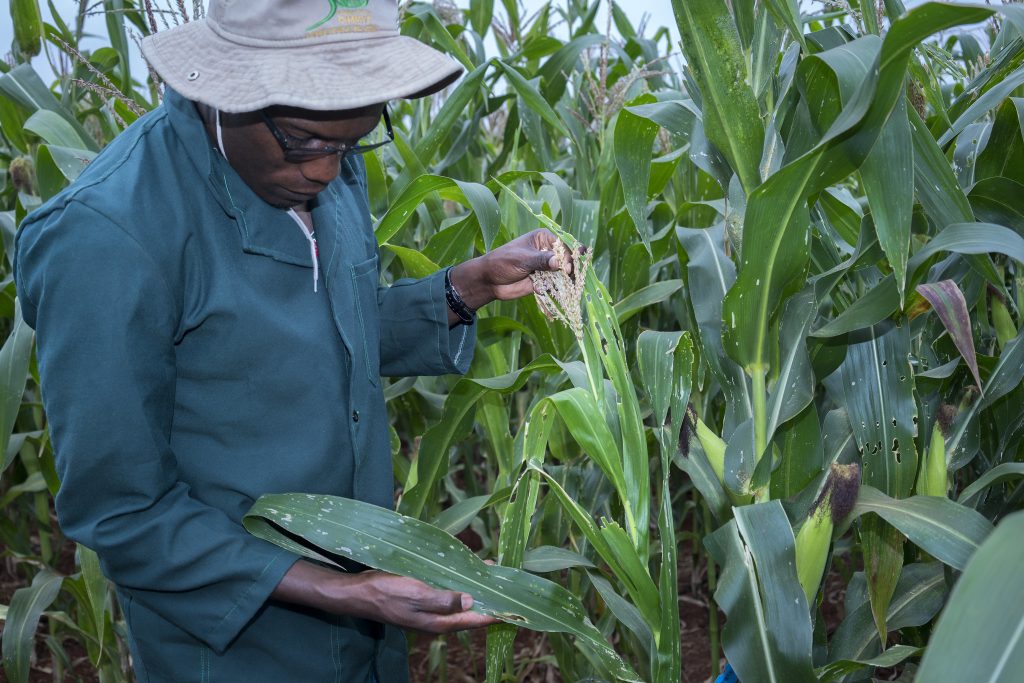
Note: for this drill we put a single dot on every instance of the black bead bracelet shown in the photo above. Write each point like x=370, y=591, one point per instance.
x=465, y=314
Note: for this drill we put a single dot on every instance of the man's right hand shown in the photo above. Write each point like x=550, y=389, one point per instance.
x=380, y=596
x=413, y=604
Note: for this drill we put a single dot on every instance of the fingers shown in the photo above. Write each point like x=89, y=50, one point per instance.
x=515, y=290
x=534, y=251
x=461, y=622
x=434, y=601
x=439, y=611
x=542, y=239
x=509, y=266
x=456, y=619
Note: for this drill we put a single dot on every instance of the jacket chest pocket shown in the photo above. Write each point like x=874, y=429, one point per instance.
x=365, y=279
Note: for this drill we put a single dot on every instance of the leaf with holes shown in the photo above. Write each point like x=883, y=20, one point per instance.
x=328, y=527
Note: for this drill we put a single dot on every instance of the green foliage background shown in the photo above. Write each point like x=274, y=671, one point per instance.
x=809, y=230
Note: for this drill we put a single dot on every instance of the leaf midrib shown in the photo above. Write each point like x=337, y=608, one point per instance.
x=762, y=631
x=762, y=312
x=929, y=523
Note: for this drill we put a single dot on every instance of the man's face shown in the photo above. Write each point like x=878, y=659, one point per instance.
x=257, y=156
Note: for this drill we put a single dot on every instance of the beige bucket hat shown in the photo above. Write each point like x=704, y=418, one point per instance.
x=315, y=54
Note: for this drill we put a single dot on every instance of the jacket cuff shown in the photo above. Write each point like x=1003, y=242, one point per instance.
x=250, y=601
x=455, y=346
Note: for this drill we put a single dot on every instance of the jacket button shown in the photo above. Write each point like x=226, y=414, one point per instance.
x=355, y=416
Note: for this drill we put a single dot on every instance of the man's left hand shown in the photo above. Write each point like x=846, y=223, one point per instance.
x=504, y=273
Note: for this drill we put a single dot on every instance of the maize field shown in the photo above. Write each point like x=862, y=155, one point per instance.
x=770, y=413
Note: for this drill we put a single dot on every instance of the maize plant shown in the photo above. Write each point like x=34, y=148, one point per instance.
x=782, y=361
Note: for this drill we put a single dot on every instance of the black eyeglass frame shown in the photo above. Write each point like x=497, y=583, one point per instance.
x=295, y=153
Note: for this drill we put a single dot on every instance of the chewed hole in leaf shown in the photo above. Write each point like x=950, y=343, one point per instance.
x=509, y=616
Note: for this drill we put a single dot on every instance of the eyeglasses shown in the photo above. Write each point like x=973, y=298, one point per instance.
x=300, y=150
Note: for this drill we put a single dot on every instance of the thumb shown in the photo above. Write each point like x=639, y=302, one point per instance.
x=544, y=260
x=450, y=602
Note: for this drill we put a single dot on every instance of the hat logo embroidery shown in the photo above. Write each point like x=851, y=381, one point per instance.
x=334, y=6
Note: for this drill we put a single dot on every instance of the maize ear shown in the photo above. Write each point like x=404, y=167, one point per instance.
x=28, y=26
x=1001, y=320
x=931, y=478
x=834, y=503
x=714, y=449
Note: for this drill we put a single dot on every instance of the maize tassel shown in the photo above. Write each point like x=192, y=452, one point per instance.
x=834, y=503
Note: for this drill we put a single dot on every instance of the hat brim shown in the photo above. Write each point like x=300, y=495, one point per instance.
x=205, y=67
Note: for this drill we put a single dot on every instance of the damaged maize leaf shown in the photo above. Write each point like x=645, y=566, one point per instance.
x=327, y=528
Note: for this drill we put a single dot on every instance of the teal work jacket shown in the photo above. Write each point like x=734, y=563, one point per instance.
x=188, y=367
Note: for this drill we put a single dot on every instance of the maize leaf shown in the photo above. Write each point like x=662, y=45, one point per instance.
x=329, y=526
x=980, y=635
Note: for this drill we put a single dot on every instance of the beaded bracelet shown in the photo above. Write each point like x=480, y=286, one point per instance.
x=465, y=314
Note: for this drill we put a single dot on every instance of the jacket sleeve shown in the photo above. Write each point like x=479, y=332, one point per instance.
x=106, y=322
x=414, y=334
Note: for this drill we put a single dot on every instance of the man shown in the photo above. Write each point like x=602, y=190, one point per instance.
x=211, y=328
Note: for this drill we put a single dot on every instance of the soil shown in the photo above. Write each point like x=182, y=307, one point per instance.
x=460, y=659
x=463, y=656
x=464, y=661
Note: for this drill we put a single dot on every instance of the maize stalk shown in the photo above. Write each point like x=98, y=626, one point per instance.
x=833, y=504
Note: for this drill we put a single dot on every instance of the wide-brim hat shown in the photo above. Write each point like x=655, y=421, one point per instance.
x=314, y=54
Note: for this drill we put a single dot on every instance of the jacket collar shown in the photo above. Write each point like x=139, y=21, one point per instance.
x=264, y=229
